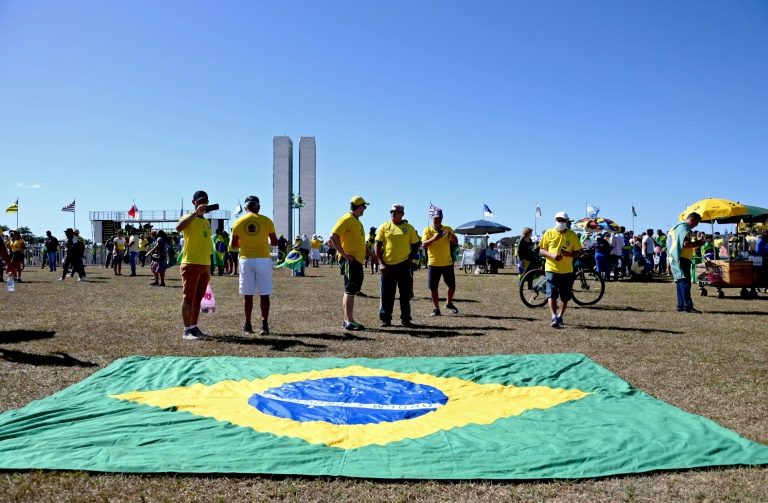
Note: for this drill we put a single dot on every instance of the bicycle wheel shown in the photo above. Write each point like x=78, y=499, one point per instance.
x=588, y=288
x=467, y=268
x=537, y=295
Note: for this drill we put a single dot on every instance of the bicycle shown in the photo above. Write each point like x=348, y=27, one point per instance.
x=588, y=285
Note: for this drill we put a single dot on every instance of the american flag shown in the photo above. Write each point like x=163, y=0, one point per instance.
x=70, y=207
x=433, y=209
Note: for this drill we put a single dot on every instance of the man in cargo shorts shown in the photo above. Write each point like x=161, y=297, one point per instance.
x=196, y=231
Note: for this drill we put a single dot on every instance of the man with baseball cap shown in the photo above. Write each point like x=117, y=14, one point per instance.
x=437, y=240
x=559, y=246
x=196, y=232
x=348, y=237
x=252, y=234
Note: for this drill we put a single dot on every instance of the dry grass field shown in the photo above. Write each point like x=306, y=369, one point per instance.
x=53, y=335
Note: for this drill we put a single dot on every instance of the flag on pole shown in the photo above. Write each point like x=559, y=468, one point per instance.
x=70, y=207
x=433, y=209
x=298, y=202
x=14, y=208
x=238, y=210
x=134, y=211
x=487, y=211
x=538, y=211
x=634, y=213
x=592, y=211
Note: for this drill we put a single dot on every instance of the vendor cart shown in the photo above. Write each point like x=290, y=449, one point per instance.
x=745, y=274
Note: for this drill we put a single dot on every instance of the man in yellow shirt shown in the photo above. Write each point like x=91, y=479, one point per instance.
x=315, y=249
x=559, y=245
x=437, y=240
x=252, y=234
x=396, y=248
x=348, y=237
x=143, y=242
x=196, y=231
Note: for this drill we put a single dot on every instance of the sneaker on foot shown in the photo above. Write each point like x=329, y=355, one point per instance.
x=385, y=324
x=247, y=328
x=352, y=326
x=560, y=321
x=60, y=279
x=435, y=312
x=264, y=328
x=80, y=279
x=554, y=323
x=200, y=333
x=693, y=310
x=449, y=306
x=191, y=334
x=154, y=283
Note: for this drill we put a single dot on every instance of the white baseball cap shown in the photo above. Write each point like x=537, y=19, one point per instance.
x=563, y=215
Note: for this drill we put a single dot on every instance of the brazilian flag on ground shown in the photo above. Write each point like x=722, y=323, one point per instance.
x=495, y=417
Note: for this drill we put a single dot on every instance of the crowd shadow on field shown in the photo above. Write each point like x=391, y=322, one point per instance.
x=495, y=317
x=617, y=308
x=273, y=343
x=628, y=329
x=56, y=359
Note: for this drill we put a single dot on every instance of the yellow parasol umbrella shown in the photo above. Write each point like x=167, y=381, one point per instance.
x=714, y=208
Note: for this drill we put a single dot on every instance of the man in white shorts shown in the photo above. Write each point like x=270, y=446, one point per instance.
x=253, y=233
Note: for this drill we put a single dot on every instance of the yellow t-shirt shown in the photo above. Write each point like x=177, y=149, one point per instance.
x=119, y=244
x=397, y=241
x=17, y=245
x=439, y=252
x=253, y=230
x=143, y=245
x=197, y=241
x=316, y=244
x=553, y=242
x=352, y=236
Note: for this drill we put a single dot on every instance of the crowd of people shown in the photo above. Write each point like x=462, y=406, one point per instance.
x=394, y=249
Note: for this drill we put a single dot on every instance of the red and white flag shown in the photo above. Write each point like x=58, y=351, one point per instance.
x=134, y=211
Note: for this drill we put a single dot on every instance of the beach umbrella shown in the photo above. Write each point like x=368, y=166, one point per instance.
x=754, y=214
x=596, y=224
x=713, y=208
x=480, y=227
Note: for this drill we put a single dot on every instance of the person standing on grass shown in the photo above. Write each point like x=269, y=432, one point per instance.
x=51, y=249
x=133, y=251
x=559, y=246
x=196, y=231
x=159, y=257
x=648, y=244
x=348, y=237
x=680, y=251
x=437, y=240
x=17, y=247
x=253, y=234
x=143, y=243
x=396, y=247
x=118, y=253
x=75, y=250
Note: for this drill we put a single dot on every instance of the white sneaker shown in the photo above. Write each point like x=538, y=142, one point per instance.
x=80, y=279
x=60, y=279
x=195, y=334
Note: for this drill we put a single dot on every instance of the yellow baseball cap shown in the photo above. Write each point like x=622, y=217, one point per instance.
x=357, y=200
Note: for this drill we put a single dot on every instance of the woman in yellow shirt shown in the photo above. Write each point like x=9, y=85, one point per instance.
x=17, y=253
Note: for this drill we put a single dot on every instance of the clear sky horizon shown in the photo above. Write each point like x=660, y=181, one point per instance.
x=504, y=103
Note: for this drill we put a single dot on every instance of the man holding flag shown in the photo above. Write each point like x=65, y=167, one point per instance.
x=253, y=234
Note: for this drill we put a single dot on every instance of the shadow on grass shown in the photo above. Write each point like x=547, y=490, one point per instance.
x=739, y=313
x=613, y=308
x=629, y=329
x=11, y=336
x=429, y=332
x=57, y=359
x=493, y=317
x=274, y=344
x=331, y=337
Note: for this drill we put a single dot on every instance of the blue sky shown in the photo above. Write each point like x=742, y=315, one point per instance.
x=505, y=103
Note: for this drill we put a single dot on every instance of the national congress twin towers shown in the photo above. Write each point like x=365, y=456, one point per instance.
x=282, y=186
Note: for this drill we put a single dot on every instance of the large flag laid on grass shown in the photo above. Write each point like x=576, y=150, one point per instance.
x=494, y=417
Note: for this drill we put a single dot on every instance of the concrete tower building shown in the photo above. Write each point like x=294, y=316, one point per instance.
x=308, y=186
x=282, y=185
